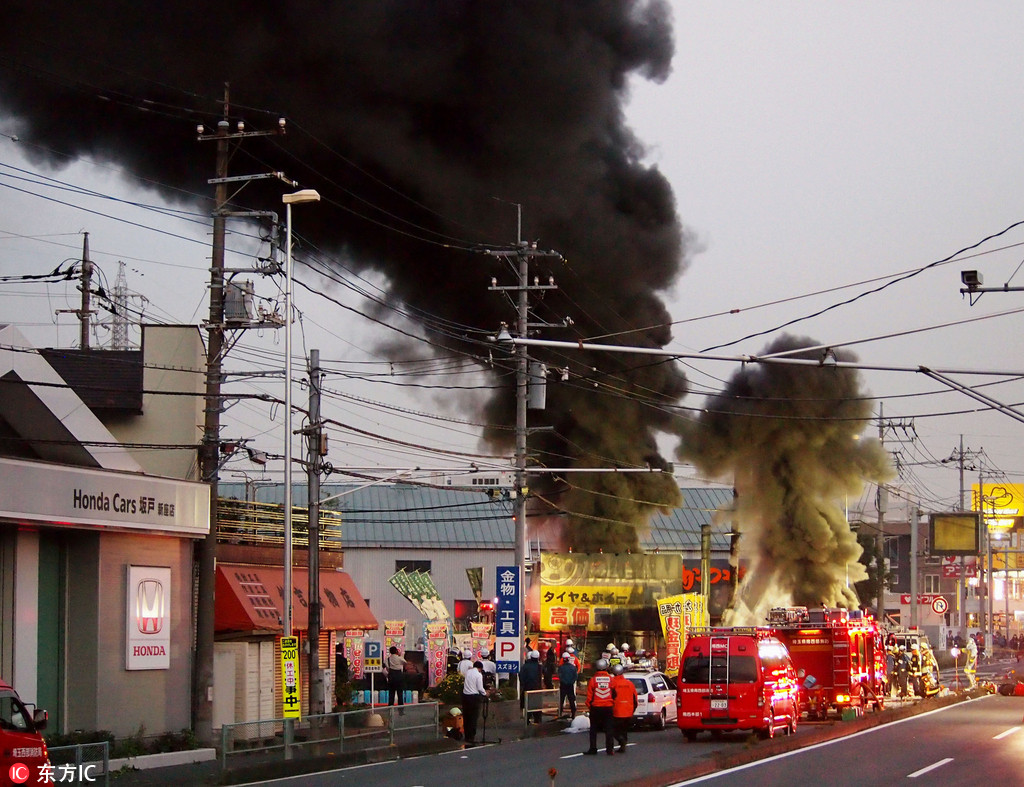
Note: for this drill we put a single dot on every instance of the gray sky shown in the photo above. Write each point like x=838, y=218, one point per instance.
x=816, y=151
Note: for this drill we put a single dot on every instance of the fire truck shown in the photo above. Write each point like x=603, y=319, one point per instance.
x=839, y=656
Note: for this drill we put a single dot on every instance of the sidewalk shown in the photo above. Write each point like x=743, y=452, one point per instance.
x=502, y=725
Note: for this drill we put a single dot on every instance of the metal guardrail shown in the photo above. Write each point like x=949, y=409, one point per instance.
x=82, y=763
x=257, y=742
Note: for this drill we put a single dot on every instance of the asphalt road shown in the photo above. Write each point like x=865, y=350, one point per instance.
x=980, y=741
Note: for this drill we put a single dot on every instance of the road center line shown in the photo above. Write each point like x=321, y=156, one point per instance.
x=1002, y=735
x=931, y=767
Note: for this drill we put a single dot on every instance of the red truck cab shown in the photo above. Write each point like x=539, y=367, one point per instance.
x=733, y=679
x=23, y=752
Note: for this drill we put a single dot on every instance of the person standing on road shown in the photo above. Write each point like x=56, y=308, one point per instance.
x=599, y=700
x=396, y=676
x=549, y=668
x=567, y=677
x=971, y=662
x=624, y=702
x=467, y=662
x=530, y=679
x=473, y=694
x=902, y=670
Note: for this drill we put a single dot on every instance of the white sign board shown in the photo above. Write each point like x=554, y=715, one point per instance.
x=147, y=624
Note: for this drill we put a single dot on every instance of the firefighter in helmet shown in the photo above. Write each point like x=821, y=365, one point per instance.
x=916, y=669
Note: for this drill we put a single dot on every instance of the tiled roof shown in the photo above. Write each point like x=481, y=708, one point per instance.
x=423, y=517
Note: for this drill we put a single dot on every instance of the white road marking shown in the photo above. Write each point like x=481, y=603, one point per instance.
x=931, y=767
x=1002, y=735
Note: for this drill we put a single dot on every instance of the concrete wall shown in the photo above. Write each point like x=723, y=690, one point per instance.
x=153, y=701
x=175, y=361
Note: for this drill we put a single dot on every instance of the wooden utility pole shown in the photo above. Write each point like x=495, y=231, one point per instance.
x=202, y=671
x=83, y=315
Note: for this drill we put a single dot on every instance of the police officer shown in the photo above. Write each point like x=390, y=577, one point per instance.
x=902, y=670
x=599, y=700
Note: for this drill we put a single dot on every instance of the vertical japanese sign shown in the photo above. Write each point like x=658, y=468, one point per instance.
x=507, y=619
x=291, y=700
x=437, y=650
x=354, y=651
x=394, y=635
x=670, y=610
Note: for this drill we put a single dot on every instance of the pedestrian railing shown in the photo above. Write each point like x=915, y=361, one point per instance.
x=251, y=743
x=539, y=705
x=82, y=763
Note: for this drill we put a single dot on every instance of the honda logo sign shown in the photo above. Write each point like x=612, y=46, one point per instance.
x=148, y=635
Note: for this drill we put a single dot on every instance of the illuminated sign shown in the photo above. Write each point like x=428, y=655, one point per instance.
x=148, y=604
x=1002, y=505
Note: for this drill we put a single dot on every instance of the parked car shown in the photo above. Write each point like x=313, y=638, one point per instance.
x=656, y=698
x=22, y=749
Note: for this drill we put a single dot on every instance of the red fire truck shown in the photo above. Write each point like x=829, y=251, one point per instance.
x=839, y=656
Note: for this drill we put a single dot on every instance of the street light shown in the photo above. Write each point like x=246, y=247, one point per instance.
x=295, y=198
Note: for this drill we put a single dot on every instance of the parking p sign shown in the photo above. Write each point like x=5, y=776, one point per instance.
x=507, y=629
x=373, y=658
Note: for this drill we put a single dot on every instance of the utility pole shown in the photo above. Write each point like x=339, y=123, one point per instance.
x=915, y=514
x=83, y=315
x=883, y=506
x=316, y=450
x=202, y=673
x=523, y=252
x=209, y=452
x=962, y=456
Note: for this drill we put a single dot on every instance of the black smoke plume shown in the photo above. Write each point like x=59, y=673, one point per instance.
x=412, y=116
x=789, y=436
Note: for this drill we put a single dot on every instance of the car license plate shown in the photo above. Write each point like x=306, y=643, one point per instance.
x=719, y=704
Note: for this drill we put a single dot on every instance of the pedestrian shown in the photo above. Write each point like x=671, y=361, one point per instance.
x=396, y=676
x=454, y=657
x=473, y=695
x=567, y=677
x=624, y=702
x=549, y=668
x=530, y=679
x=599, y=701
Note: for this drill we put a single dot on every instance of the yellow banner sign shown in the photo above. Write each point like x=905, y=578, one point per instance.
x=291, y=697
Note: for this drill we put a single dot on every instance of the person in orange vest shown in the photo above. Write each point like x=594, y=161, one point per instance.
x=624, y=702
x=599, y=700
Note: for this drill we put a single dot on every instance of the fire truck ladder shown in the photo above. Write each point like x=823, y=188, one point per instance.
x=841, y=665
x=719, y=703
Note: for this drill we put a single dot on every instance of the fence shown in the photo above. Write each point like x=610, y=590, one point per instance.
x=83, y=763
x=251, y=743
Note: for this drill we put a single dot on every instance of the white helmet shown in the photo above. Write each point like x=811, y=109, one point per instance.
x=602, y=664
x=467, y=654
x=566, y=657
x=571, y=650
x=485, y=652
x=625, y=646
x=534, y=654
x=568, y=643
x=611, y=646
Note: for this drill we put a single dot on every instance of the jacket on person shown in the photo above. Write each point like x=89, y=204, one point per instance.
x=624, y=699
x=530, y=675
x=567, y=673
x=599, y=690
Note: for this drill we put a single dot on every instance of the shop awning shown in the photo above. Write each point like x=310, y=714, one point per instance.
x=251, y=598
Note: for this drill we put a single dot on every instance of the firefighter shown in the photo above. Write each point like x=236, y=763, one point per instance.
x=624, y=702
x=902, y=670
x=567, y=677
x=916, y=669
x=599, y=700
x=891, y=652
x=930, y=670
x=971, y=662
x=614, y=656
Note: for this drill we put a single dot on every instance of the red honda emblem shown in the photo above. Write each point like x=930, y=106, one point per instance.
x=149, y=606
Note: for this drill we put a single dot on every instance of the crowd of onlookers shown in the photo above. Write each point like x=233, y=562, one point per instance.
x=1012, y=647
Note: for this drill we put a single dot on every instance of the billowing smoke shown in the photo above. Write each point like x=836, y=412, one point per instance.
x=790, y=438
x=415, y=118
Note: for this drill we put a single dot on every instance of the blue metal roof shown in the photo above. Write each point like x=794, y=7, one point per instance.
x=424, y=517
